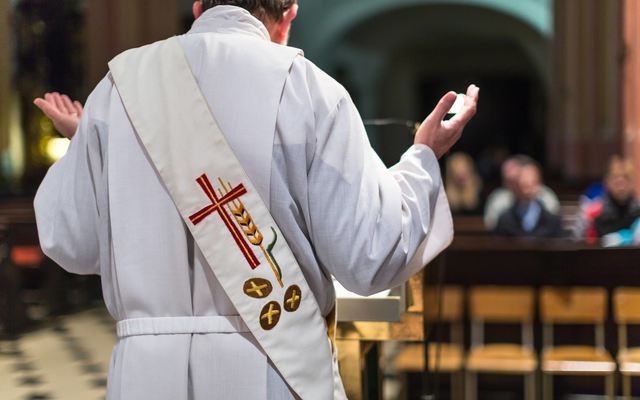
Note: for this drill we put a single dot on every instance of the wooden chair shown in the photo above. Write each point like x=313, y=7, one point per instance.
x=446, y=357
x=575, y=306
x=501, y=305
x=626, y=303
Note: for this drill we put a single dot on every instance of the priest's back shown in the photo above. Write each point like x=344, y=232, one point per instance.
x=103, y=210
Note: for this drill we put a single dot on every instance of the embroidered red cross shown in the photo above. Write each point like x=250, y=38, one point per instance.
x=217, y=205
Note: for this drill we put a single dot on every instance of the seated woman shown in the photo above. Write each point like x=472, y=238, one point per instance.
x=528, y=217
x=614, y=218
x=463, y=185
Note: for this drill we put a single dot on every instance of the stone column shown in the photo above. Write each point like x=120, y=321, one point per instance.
x=632, y=83
x=586, y=121
x=116, y=25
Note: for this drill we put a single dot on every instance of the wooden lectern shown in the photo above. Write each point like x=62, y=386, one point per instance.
x=365, y=322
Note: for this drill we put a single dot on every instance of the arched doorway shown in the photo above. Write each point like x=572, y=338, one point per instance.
x=398, y=57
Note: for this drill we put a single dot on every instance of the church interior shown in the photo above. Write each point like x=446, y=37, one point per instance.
x=508, y=311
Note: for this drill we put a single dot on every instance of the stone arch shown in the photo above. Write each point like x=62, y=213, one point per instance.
x=380, y=51
x=326, y=21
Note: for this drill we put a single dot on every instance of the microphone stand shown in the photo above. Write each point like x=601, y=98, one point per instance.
x=405, y=123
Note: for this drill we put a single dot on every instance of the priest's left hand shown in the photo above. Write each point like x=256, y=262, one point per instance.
x=441, y=135
x=64, y=113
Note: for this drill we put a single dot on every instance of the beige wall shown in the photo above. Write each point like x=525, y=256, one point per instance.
x=632, y=83
x=116, y=25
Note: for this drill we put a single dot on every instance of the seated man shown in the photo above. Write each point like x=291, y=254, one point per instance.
x=503, y=198
x=528, y=217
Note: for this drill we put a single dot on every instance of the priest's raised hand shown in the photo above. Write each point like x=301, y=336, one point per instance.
x=441, y=135
x=64, y=113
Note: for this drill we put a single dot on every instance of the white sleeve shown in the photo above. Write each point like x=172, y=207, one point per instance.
x=66, y=203
x=369, y=224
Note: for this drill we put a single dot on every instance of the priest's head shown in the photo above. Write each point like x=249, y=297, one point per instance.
x=276, y=15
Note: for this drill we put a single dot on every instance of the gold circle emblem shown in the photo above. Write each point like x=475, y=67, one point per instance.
x=257, y=288
x=270, y=315
x=292, y=298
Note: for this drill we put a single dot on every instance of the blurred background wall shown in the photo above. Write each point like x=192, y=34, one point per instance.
x=552, y=73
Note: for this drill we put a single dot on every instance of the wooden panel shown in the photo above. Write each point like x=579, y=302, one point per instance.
x=585, y=100
x=501, y=304
x=626, y=305
x=631, y=84
x=577, y=305
x=116, y=25
x=410, y=328
x=502, y=358
x=451, y=307
x=577, y=360
x=351, y=365
x=445, y=357
x=483, y=260
x=629, y=361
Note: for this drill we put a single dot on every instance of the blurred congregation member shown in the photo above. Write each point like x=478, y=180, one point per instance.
x=503, y=198
x=528, y=217
x=614, y=217
x=463, y=185
x=595, y=192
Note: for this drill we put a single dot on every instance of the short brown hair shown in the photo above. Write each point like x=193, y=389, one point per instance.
x=261, y=9
x=622, y=166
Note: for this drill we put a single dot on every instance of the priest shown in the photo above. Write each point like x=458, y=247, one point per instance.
x=216, y=182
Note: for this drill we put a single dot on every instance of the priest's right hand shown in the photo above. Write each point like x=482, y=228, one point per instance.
x=64, y=113
x=441, y=135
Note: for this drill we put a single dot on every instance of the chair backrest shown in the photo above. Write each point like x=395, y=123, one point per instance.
x=444, y=304
x=573, y=305
x=626, y=305
x=626, y=311
x=501, y=304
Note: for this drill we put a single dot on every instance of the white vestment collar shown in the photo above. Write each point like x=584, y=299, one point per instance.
x=229, y=19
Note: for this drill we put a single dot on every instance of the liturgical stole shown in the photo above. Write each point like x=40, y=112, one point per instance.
x=227, y=217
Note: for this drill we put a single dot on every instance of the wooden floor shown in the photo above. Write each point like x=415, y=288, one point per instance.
x=68, y=361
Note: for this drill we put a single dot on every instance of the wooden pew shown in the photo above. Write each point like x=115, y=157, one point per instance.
x=475, y=260
x=485, y=260
x=18, y=247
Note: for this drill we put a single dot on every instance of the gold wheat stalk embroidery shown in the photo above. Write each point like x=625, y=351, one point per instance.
x=249, y=228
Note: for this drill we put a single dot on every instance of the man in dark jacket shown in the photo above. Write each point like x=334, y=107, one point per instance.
x=528, y=217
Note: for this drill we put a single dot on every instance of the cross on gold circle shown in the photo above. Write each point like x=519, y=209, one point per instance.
x=292, y=298
x=257, y=288
x=270, y=315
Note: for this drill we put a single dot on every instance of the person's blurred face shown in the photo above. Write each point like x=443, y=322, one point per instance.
x=619, y=184
x=528, y=184
x=461, y=172
x=510, y=171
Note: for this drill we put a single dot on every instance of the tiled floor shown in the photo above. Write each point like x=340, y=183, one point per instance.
x=68, y=361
